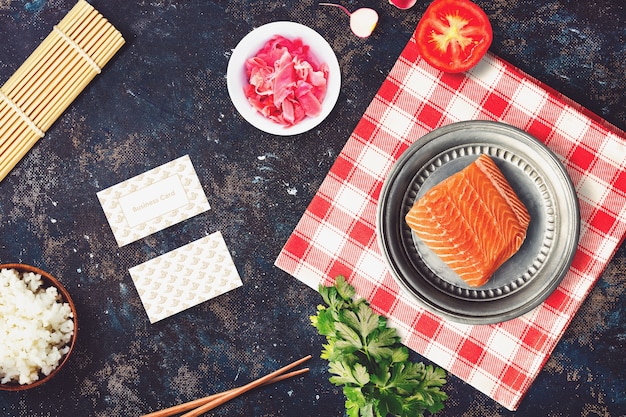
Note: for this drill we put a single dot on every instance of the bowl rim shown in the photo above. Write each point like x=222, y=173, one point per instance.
x=49, y=280
x=254, y=41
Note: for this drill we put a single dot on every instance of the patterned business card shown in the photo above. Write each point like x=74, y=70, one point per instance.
x=185, y=277
x=153, y=201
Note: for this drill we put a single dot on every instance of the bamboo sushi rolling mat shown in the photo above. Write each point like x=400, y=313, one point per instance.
x=51, y=78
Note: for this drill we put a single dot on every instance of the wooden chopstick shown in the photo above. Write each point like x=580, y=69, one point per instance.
x=201, y=401
x=238, y=391
x=202, y=405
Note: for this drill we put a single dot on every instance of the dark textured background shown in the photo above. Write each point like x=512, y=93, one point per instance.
x=163, y=96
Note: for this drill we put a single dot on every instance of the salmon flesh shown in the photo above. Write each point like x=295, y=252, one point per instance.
x=472, y=220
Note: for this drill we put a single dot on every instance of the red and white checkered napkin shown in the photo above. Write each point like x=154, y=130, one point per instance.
x=337, y=233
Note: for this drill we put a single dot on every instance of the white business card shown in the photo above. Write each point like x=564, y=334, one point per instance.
x=185, y=277
x=153, y=201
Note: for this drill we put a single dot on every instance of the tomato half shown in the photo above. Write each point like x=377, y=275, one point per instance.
x=453, y=35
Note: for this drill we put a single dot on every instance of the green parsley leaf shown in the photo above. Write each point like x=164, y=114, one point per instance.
x=363, y=321
x=379, y=346
x=348, y=338
x=345, y=290
x=366, y=358
x=346, y=374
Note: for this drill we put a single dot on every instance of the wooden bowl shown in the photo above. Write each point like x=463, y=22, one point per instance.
x=48, y=281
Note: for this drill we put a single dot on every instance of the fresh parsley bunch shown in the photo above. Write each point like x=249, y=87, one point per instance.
x=368, y=360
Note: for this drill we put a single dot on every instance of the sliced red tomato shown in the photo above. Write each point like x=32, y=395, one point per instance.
x=453, y=35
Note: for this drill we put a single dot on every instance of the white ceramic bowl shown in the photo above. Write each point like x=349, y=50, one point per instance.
x=251, y=44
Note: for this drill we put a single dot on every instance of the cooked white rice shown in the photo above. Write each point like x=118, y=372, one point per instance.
x=35, y=327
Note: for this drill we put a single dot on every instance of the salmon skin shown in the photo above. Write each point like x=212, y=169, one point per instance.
x=472, y=220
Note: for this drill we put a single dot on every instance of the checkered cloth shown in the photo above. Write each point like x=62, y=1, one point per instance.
x=337, y=233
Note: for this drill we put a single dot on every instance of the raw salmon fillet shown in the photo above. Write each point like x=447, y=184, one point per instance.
x=472, y=220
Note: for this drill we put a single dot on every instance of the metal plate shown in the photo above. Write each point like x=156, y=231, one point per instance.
x=540, y=181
